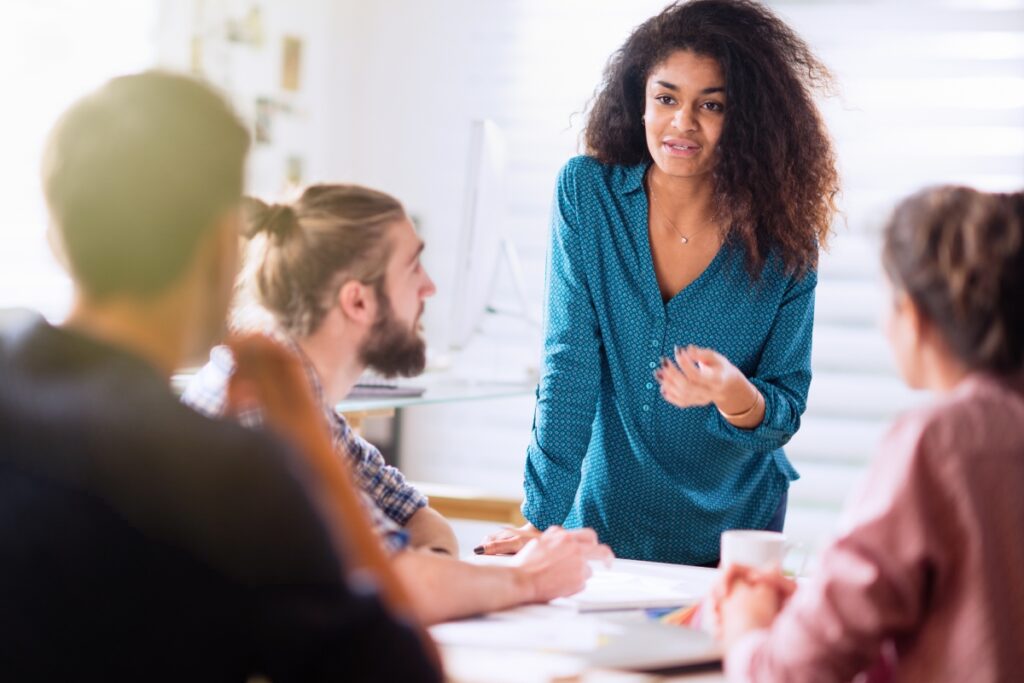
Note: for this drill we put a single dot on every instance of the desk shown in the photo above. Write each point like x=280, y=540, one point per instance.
x=488, y=655
x=439, y=387
x=445, y=387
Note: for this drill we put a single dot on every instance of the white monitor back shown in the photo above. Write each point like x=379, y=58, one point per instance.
x=481, y=232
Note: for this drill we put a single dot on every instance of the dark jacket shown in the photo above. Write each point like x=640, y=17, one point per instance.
x=140, y=540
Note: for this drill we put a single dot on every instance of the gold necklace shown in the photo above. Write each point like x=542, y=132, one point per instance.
x=683, y=239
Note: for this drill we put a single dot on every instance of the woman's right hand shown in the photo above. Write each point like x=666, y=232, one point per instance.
x=557, y=562
x=508, y=541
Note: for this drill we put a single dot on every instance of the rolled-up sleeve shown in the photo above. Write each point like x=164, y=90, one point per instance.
x=783, y=374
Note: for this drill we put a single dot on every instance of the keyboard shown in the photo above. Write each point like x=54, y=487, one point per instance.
x=370, y=386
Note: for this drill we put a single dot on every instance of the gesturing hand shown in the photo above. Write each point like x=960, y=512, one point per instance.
x=696, y=377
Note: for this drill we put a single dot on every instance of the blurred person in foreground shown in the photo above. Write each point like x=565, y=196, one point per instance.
x=140, y=540
x=926, y=582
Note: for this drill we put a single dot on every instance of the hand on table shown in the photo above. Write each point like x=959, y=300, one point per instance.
x=556, y=562
x=508, y=541
x=745, y=599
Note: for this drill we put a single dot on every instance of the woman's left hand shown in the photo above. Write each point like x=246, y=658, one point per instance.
x=746, y=599
x=697, y=377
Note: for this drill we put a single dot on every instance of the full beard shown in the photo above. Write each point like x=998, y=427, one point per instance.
x=393, y=349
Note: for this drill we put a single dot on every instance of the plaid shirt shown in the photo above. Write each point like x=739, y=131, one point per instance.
x=388, y=498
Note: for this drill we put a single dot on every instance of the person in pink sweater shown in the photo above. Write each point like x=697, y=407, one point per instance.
x=926, y=580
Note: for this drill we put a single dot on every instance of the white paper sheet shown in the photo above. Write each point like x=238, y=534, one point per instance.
x=608, y=589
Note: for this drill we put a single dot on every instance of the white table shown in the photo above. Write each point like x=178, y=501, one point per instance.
x=541, y=643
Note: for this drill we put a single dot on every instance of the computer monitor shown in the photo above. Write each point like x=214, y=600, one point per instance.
x=479, y=246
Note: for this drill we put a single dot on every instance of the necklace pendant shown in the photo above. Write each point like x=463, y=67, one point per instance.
x=684, y=240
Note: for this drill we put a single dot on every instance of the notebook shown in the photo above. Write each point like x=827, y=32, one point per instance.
x=610, y=590
x=652, y=646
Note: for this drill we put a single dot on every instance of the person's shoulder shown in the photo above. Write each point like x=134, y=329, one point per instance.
x=248, y=489
x=107, y=424
x=584, y=169
x=585, y=183
x=18, y=329
x=774, y=280
x=775, y=270
x=979, y=418
x=982, y=413
x=581, y=164
x=216, y=446
x=15, y=325
x=207, y=389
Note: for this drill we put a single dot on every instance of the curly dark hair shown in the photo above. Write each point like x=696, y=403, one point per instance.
x=959, y=255
x=775, y=178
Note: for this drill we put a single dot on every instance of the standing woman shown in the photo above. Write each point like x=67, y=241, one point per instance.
x=690, y=231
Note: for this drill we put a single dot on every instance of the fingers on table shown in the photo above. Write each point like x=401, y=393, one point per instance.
x=501, y=546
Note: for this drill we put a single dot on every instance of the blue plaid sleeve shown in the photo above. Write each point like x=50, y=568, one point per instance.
x=394, y=537
x=385, y=484
x=207, y=392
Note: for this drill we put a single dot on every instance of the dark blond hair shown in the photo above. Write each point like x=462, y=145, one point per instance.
x=959, y=255
x=304, y=251
x=136, y=174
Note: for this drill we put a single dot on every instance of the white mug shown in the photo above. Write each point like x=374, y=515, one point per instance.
x=753, y=548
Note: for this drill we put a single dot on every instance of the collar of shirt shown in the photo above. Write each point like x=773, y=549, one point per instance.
x=633, y=179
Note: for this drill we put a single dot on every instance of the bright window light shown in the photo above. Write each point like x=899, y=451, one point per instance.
x=51, y=53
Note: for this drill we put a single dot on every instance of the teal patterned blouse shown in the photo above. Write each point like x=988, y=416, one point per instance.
x=655, y=481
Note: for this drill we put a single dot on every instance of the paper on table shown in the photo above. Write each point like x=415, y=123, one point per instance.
x=550, y=633
x=616, y=642
x=608, y=589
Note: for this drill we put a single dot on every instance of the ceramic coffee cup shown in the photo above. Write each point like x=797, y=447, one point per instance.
x=753, y=548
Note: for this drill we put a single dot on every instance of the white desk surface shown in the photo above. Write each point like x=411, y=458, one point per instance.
x=476, y=659
x=440, y=387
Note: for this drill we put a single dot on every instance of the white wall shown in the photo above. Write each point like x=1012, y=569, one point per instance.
x=309, y=123
x=51, y=53
x=426, y=70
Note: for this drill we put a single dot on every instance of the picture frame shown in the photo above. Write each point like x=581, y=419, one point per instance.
x=291, y=63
